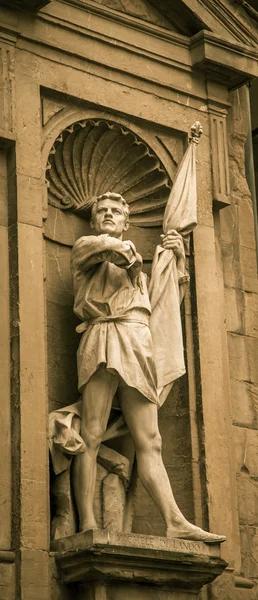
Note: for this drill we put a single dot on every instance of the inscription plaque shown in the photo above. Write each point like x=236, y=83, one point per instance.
x=85, y=540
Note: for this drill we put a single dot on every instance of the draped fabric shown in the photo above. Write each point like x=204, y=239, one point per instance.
x=168, y=275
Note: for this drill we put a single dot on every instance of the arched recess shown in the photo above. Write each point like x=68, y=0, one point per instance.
x=85, y=154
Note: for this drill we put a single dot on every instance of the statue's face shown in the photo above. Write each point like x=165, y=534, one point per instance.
x=109, y=218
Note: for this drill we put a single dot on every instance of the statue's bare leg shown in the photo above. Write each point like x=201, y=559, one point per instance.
x=141, y=417
x=96, y=405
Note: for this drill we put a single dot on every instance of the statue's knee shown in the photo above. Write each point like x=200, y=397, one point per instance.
x=151, y=443
x=91, y=437
x=157, y=443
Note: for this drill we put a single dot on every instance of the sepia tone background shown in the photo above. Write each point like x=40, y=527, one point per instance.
x=152, y=70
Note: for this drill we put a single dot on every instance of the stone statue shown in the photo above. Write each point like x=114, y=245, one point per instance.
x=115, y=359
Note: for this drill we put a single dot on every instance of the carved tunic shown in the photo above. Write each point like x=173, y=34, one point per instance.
x=114, y=313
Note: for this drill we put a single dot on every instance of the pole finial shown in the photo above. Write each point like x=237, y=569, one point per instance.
x=196, y=132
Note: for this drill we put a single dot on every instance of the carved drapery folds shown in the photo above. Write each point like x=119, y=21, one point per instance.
x=93, y=156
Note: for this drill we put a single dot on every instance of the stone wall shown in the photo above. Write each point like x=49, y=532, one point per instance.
x=238, y=252
x=66, y=58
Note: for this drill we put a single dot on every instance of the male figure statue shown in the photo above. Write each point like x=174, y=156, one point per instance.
x=115, y=356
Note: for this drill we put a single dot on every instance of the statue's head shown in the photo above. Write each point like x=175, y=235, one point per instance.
x=110, y=214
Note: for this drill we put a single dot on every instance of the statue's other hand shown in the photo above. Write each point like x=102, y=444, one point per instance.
x=173, y=241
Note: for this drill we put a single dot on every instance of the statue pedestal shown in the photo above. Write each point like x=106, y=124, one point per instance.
x=117, y=566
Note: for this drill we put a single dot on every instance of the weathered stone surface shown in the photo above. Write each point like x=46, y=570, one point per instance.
x=144, y=11
x=244, y=395
x=231, y=265
x=3, y=189
x=234, y=308
x=8, y=100
x=249, y=537
x=31, y=192
x=246, y=224
x=113, y=502
x=251, y=314
x=114, y=462
x=214, y=383
x=225, y=588
x=87, y=539
x=62, y=341
x=241, y=312
x=238, y=359
x=248, y=266
x=64, y=227
x=33, y=418
x=229, y=223
x=58, y=590
x=64, y=521
x=153, y=84
x=5, y=438
x=240, y=272
x=246, y=451
x=98, y=496
x=248, y=499
x=252, y=354
x=7, y=581
x=133, y=558
x=244, y=389
x=146, y=592
x=35, y=574
x=59, y=279
x=112, y=479
x=28, y=136
x=220, y=166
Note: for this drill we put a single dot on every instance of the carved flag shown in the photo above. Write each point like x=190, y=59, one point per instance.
x=168, y=275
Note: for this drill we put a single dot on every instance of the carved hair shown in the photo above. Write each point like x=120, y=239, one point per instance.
x=111, y=196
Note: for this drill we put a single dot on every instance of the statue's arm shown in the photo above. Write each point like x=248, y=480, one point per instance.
x=174, y=241
x=91, y=250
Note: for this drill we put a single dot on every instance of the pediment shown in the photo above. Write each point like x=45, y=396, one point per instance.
x=232, y=20
x=142, y=10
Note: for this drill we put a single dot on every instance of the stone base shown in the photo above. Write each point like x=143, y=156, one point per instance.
x=115, y=566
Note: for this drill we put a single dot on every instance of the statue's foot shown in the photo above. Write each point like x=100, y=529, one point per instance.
x=192, y=532
x=87, y=526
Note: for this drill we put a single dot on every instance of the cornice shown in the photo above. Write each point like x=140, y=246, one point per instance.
x=217, y=41
x=165, y=55
x=8, y=36
x=214, y=16
x=127, y=20
x=228, y=62
x=231, y=22
x=250, y=10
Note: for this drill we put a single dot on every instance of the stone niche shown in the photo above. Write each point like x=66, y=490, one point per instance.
x=89, y=152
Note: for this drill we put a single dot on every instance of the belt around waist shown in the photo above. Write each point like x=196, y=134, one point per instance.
x=110, y=319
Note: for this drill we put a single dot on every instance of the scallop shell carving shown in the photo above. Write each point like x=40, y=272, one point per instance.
x=95, y=156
